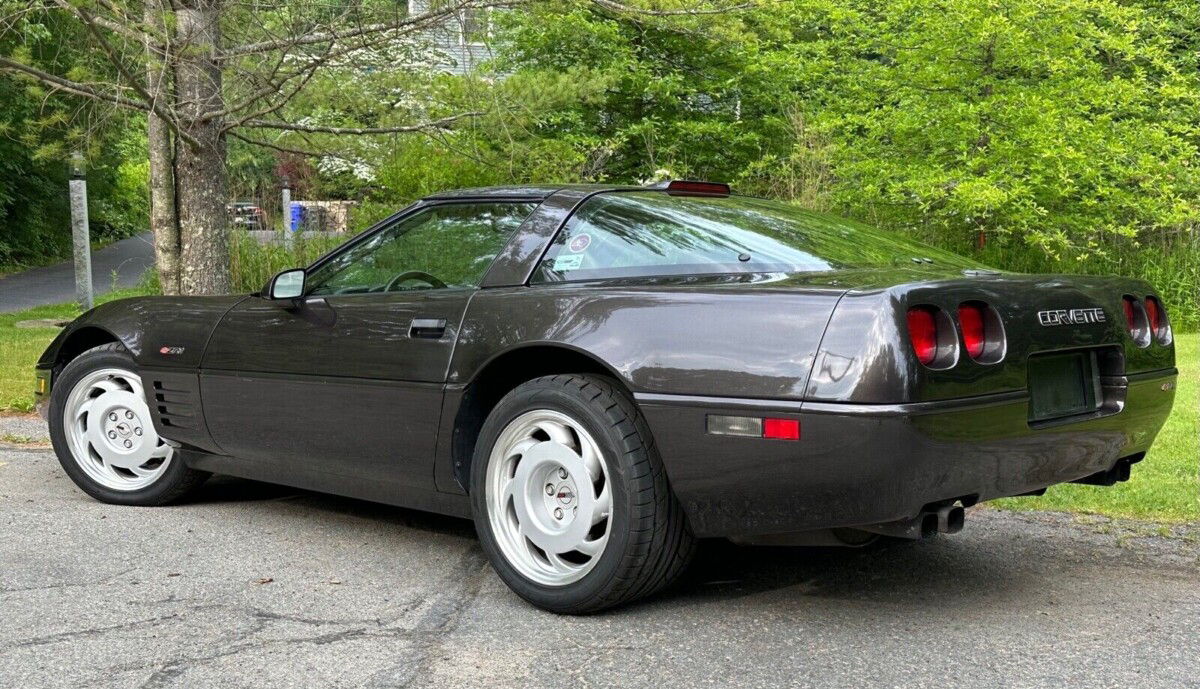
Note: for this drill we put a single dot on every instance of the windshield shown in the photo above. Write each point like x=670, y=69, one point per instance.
x=630, y=234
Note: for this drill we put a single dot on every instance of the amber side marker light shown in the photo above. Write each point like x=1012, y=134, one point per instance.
x=753, y=427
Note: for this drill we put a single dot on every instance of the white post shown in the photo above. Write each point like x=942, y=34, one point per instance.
x=286, y=199
x=79, y=233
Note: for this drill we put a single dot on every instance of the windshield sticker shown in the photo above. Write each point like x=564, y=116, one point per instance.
x=568, y=262
x=580, y=243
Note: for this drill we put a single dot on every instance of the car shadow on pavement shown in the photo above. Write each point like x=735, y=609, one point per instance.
x=946, y=570
x=228, y=489
x=893, y=571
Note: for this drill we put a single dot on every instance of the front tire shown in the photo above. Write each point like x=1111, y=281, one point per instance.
x=570, y=499
x=102, y=432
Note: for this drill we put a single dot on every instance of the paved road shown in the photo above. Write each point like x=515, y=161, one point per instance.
x=56, y=284
x=252, y=585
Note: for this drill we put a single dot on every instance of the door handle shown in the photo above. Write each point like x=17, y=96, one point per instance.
x=427, y=328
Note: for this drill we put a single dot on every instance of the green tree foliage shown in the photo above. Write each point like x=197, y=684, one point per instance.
x=1031, y=136
x=37, y=134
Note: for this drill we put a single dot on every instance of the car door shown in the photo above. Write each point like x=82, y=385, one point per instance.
x=348, y=379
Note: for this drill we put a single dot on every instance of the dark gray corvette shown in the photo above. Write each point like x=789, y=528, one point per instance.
x=600, y=375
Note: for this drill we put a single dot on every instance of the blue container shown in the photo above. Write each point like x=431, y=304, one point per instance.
x=298, y=215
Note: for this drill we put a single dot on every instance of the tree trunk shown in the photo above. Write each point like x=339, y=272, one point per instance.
x=200, y=167
x=163, y=220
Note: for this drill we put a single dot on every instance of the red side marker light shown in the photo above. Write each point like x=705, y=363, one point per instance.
x=753, y=427
x=781, y=429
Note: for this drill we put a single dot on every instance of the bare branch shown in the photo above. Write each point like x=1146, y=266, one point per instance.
x=284, y=149
x=409, y=23
x=152, y=103
x=359, y=131
x=73, y=87
x=117, y=27
x=626, y=9
x=283, y=100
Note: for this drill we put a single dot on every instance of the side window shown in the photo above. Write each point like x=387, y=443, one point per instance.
x=443, y=246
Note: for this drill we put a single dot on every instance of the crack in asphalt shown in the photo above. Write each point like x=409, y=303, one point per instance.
x=428, y=634
x=441, y=620
x=69, y=584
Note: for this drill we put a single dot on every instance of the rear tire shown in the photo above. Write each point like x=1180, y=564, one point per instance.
x=570, y=498
x=102, y=432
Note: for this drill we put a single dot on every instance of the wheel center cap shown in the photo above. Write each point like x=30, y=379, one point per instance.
x=123, y=430
x=565, y=495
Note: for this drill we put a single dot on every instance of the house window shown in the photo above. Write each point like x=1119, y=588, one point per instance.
x=473, y=24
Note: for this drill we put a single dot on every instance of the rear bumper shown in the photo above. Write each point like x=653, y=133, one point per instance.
x=857, y=465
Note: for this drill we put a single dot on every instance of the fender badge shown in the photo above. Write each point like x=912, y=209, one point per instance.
x=167, y=351
x=1167, y=386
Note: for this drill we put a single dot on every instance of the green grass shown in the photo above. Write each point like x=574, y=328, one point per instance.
x=1165, y=486
x=21, y=347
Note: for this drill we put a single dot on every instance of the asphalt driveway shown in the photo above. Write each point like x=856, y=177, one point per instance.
x=253, y=585
x=55, y=284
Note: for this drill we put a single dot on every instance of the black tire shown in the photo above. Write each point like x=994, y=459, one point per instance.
x=176, y=480
x=650, y=542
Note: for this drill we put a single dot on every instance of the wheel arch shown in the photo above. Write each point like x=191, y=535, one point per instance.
x=81, y=340
x=505, y=371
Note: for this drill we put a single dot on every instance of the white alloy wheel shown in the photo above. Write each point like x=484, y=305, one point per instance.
x=109, y=432
x=549, y=499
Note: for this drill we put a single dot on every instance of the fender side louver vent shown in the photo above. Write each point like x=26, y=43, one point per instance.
x=175, y=407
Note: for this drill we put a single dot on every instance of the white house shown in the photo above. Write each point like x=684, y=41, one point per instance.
x=461, y=41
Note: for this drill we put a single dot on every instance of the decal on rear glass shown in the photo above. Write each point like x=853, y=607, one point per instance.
x=571, y=262
x=580, y=242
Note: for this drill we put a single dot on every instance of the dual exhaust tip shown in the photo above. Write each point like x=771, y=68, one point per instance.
x=946, y=519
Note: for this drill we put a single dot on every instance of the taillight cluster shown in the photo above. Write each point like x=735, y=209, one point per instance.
x=935, y=340
x=1146, y=320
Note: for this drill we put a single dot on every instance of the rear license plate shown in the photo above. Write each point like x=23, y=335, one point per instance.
x=1063, y=385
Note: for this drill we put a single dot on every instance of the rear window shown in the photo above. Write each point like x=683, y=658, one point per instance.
x=641, y=234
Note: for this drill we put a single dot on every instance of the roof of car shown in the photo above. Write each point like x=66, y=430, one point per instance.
x=538, y=191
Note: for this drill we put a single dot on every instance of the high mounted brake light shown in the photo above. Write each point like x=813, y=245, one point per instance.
x=684, y=187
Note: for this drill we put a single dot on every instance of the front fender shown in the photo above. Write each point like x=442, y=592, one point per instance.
x=159, y=332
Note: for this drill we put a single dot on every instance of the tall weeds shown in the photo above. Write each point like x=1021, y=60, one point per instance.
x=252, y=262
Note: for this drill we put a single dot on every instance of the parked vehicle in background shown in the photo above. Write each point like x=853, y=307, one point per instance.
x=247, y=215
x=599, y=375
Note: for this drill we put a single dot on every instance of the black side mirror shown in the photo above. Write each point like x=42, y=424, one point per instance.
x=287, y=285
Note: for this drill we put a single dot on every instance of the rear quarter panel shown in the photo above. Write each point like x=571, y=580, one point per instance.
x=702, y=340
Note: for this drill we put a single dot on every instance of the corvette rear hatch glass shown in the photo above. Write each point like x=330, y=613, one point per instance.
x=636, y=234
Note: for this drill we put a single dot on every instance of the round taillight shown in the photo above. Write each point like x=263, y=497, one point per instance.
x=1137, y=320
x=982, y=331
x=922, y=331
x=932, y=335
x=1160, y=328
x=970, y=319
